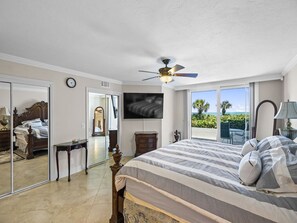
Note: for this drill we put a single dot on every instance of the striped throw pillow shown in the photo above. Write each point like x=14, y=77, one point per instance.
x=279, y=171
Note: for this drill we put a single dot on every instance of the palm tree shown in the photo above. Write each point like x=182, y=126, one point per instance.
x=224, y=106
x=201, y=106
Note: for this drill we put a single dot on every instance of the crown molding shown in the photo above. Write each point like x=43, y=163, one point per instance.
x=34, y=63
x=292, y=63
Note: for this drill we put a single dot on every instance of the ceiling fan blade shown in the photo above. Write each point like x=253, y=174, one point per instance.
x=175, y=68
x=151, y=72
x=150, y=78
x=193, y=75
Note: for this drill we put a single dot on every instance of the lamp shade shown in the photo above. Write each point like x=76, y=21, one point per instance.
x=4, y=111
x=287, y=110
x=166, y=78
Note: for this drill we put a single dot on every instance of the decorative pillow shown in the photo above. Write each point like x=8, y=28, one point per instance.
x=45, y=122
x=279, y=172
x=30, y=121
x=249, y=146
x=33, y=124
x=150, y=99
x=250, y=168
x=158, y=101
x=292, y=148
x=271, y=142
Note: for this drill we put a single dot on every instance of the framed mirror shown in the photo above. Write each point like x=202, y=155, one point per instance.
x=98, y=122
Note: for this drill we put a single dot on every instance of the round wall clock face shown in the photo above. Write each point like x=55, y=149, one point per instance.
x=71, y=82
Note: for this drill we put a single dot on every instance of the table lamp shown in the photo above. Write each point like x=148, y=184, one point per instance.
x=4, y=114
x=287, y=110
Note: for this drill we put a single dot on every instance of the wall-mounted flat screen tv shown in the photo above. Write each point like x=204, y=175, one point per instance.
x=143, y=105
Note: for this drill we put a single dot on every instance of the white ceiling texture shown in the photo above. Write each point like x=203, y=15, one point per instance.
x=218, y=39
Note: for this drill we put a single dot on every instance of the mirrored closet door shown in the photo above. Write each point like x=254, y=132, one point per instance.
x=26, y=107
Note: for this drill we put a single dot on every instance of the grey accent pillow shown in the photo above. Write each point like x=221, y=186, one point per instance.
x=249, y=146
x=273, y=142
x=279, y=172
x=250, y=168
x=293, y=148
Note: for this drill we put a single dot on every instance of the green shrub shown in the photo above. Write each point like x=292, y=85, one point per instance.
x=210, y=121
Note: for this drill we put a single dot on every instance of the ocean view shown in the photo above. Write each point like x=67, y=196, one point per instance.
x=227, y=113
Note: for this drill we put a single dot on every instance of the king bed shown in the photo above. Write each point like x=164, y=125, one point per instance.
x=31, y=129
x=199, y=181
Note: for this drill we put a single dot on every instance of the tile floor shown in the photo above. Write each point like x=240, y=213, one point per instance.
x=86, y=199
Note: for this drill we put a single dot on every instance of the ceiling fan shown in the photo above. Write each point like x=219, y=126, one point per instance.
x=166, y=74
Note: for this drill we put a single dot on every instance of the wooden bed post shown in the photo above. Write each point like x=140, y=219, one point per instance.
x=116, y=216
x=30, y=154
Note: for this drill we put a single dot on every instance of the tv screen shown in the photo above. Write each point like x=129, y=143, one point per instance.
x=143, y=105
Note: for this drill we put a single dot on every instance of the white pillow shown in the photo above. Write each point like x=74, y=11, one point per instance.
x=250, y=168
x=30, y=121
x=249, y=146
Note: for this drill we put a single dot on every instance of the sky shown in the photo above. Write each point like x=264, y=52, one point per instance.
x=238, y=97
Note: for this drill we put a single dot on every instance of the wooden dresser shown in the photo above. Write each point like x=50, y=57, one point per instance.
x=145, y=141
x=4, y=140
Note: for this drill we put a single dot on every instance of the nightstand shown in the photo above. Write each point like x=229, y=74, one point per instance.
x=145, y=142
x=4, y=140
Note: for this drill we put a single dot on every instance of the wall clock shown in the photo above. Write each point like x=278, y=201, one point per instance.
x=71, y=82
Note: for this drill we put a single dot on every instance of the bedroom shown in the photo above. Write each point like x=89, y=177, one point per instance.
x=69, y=104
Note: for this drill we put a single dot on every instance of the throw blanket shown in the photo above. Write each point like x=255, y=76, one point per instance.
x=204, y=174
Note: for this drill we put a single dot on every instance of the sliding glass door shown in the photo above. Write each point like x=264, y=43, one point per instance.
x=234, y=115
x=221, y=114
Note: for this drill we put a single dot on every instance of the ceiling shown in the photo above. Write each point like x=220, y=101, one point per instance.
x=220, y=40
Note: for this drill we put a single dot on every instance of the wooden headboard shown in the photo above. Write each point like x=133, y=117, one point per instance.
x=37, y=110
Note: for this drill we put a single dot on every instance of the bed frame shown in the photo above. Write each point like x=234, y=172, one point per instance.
x=117, y=196
x=37, y=110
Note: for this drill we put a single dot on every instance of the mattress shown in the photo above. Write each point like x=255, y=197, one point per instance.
x=193, y=178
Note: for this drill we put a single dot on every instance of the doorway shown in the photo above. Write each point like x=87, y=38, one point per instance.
x=103, y=122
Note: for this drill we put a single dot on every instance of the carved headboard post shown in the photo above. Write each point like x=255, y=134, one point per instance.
x=117, y=196
x=15, y=118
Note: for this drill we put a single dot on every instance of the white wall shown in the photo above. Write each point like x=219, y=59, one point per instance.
x=169, y=116
x=180, y=107
x=68, y=105
x=290, y=89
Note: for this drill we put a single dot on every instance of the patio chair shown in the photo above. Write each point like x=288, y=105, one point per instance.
x=225, y=132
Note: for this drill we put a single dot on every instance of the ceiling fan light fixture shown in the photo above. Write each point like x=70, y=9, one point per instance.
x=166, y=79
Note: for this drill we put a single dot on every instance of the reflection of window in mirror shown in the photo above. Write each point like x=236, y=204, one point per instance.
x=98, y=122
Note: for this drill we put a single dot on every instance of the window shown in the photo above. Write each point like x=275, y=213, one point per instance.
x=221, y=115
